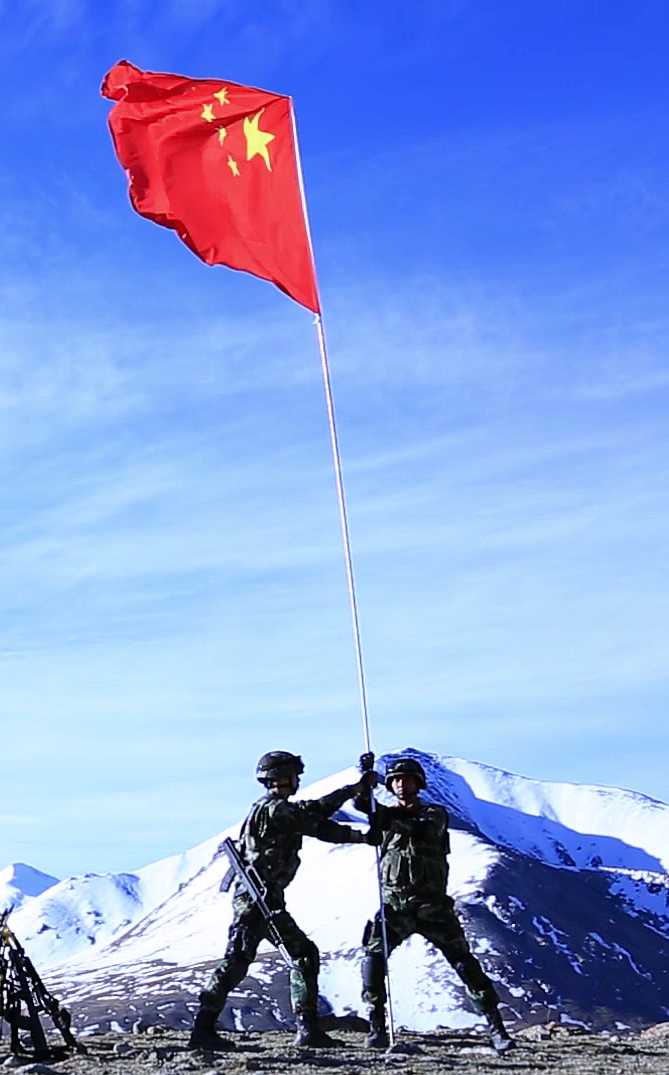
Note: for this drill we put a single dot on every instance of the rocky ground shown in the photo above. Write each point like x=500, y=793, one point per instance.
x=549, y=1048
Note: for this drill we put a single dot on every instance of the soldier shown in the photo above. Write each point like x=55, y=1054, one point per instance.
x=270, y=840
x=414, y=844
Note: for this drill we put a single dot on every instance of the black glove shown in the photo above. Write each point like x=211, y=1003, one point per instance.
x=368, y=778
x=374, y=836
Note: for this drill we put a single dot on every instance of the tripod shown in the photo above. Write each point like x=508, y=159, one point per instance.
x=24, y=998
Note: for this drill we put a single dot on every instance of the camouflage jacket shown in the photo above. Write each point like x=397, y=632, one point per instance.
x=271, y=836
x=414, y=847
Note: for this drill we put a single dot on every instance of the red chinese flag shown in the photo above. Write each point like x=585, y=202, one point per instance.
x=217, y=163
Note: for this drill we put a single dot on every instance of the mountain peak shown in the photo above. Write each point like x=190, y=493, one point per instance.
x=26, y=878
x=20, y=882
x=561, y=888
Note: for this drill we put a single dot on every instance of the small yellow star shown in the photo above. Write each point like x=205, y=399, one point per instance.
x=208, y=113
x=256, y=140
x=232, y=165
x=222, y=96
x=222, y=135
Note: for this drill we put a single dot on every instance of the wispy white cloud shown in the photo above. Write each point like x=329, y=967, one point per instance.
x=636, y=375
x=173, y=592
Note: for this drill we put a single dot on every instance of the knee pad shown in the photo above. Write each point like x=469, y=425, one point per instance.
x=372, y=972
x=373, y=934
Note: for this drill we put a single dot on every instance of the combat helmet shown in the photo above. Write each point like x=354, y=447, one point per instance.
x=278, y=765
x=409, y=766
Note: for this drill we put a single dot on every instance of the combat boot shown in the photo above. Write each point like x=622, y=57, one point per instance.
x=378, y=1034
x=309, y=1032
x=497, y=1032
x=203, y=1035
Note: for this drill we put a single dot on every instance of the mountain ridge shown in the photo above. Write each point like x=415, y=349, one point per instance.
x=562, y=889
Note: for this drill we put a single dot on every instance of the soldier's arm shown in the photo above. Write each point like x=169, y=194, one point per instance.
x=380, y=817
x=329, y=804
x=298, y=818
x=334, y=833
x=381, y=814
x=363, y=801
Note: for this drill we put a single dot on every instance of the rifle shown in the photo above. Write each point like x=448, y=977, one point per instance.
x=21, y=985
x=251, y=880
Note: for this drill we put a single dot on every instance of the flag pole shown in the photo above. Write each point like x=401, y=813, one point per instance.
x=348, y=556
x=339, y=480
x=356, y=635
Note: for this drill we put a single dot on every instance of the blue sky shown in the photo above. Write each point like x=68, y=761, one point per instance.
x=487, y=186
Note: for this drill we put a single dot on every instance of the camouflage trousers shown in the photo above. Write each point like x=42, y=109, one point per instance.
x=438, y=923
x=246, y=932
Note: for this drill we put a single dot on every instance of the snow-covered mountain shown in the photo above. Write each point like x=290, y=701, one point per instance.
x=562, y=890
x=19, y=883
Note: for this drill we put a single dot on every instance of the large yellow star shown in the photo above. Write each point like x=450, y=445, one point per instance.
x=256, y=140
x=222, y=97
x=208, y=113
x=232, y=165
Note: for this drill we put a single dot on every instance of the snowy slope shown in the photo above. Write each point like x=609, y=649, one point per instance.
x=561, y=888
x=562, y=824
x=83, y=914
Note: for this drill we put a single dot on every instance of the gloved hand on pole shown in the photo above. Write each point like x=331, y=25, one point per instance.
x=369, y=779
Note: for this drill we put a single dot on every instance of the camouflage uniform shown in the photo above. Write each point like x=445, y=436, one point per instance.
x=270, y=840
x=414, y=872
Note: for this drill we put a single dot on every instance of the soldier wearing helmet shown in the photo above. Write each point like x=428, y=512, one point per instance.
x=414, y=842
x=270, y=841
